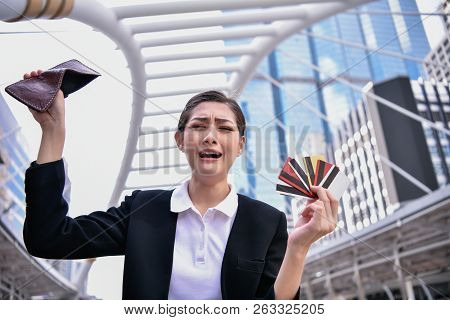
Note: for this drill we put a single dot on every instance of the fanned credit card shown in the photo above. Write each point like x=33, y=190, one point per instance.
x=300, y=173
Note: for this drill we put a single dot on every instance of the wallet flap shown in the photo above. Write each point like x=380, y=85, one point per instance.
x=39, y=92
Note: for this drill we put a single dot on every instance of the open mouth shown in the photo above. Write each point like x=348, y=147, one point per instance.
x=210, y=155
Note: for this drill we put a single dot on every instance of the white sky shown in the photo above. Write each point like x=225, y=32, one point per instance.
x=97, y=117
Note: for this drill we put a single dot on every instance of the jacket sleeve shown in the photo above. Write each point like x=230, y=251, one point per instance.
x=274, y=259
x=49, y=233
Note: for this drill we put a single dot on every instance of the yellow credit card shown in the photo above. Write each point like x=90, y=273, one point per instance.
x=310, y=164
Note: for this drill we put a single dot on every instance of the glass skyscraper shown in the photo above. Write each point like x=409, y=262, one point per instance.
x=345, y=45
x=13, y=162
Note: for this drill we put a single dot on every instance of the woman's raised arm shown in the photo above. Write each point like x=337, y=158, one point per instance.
x=48, y=231
x=53, y=126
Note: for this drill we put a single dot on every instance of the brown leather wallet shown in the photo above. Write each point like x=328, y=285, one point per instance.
x=39, y=92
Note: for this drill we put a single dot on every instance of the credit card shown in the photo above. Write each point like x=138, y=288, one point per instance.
x=300, y=173
x=322, y=169
x=338, y=185
x=310, y=163
x=294, y=182
x=290, y=191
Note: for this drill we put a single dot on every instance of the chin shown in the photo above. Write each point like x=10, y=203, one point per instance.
x=213, y=173
x=210, y=173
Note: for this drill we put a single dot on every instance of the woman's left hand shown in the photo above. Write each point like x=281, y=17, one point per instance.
x=317, y=219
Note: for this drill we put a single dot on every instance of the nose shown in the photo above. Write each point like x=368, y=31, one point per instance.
x=210, y=137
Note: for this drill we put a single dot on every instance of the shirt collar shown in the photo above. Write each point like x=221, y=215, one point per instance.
x=180, y=200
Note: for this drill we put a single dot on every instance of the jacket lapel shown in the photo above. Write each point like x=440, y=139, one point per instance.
x=167, y=246
x=162, y=240
x=150, y=245
x=233, y=248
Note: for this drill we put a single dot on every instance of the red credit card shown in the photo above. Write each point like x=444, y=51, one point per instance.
x=295, y=181
x=288, y=176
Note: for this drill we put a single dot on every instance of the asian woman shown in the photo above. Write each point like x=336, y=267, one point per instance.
x=201, y=240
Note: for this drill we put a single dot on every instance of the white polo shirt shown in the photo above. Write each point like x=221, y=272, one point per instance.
x=199, y=246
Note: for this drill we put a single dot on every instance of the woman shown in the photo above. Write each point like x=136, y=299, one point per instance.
x=199, y=241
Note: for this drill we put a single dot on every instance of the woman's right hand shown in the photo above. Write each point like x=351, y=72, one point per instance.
x=54, y=116
x=52, y=123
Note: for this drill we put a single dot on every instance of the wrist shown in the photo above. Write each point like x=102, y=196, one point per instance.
x=297, y=251
x=52, y=144
x=54, y=135
x=53, y=129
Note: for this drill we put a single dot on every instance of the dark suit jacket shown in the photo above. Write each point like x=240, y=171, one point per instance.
x=143, y=229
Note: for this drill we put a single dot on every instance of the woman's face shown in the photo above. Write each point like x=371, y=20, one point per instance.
x=211, y=140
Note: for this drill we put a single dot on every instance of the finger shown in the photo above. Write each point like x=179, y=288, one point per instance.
x=26, y=76
x=322, y=219
x=39, y=72
x=313, y=209
x=307, y=211
x=334, y=203
x=325, y=218
x=33, y=73
x=317, y=219
x=324, y=198
x=320, y=191
x=332, y=218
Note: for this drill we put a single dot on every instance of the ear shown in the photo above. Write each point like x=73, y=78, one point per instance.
x=179, y=140
x=241, y=145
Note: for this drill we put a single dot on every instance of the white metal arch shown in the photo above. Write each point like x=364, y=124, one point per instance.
x=263, y=23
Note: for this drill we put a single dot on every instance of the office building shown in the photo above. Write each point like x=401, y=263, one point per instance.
x=287, y=114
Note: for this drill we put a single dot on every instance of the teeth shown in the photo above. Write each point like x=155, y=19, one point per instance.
x=210, y=155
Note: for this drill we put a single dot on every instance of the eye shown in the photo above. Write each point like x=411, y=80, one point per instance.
x=197, y=126
x=226, y=128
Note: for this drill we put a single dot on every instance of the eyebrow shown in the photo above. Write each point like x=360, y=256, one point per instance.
x=206, y=119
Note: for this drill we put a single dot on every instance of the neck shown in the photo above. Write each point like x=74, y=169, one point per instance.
x=207, y=194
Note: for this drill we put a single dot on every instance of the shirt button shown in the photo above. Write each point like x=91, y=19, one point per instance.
x=200, y=259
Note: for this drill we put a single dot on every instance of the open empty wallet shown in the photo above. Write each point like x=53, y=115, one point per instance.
x=39, y=92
